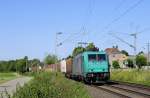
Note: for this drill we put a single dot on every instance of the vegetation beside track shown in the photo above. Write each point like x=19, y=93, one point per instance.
x=51, y=85
x=6, y=76
x=132, y=76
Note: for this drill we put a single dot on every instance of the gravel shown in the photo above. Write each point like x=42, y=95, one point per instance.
x=97, y=93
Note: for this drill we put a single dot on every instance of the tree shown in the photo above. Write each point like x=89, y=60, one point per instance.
x=70, y=56
x=12, y=65
x=35, y=62
x=141, y=53
x=148, y=64
x=51, y=59
x=116, y=64
x=130, y=63
x=21, y=65
x=91, y=47
x=125, y=52
x=141, y=60
x=78, y=50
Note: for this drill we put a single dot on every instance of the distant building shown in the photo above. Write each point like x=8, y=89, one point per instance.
x=146, y=55
x=115, y=55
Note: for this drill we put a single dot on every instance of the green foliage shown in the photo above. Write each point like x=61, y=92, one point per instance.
x=132, y=76
x=78, y=50
x=6, y=66
x=35, y=62
x=19, y=65
x=141, y=61
x=50, y=85
x=141, y=53
x=90, y=47
x=125, y=52
x=115, y=64
x=51, y=59
x=130, y=63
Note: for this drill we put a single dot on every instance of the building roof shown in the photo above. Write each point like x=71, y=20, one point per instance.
x=112, y=50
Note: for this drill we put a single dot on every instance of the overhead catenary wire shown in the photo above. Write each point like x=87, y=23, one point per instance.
x=123, y=14
x=83, y=29
x=119, y=4
x=129, y=9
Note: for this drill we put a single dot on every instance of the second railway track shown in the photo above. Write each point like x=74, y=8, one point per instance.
x=124, y=90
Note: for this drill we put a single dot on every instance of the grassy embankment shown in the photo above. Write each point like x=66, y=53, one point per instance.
x=50, y=85
x=4, y=77
x=132, y=76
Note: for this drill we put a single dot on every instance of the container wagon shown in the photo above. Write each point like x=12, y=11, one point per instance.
x=63, y=66
x=91, y=67
x=66, y=67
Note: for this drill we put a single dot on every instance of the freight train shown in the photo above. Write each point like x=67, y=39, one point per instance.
x=90, y=67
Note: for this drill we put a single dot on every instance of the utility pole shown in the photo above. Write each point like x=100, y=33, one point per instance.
x=135, y=47
x=56, y=44
x=148, y=56
x=131, y=45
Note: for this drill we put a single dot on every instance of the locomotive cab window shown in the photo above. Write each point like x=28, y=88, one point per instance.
x=96, y=57
x=92, y=57
x=101, y=57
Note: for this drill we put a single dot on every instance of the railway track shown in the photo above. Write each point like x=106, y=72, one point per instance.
x=144, y=87
x=125, y=90
x=110, y=91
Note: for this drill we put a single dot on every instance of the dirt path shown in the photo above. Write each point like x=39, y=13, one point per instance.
x=10, y=86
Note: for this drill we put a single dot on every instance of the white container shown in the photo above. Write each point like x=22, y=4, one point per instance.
x=63, y=66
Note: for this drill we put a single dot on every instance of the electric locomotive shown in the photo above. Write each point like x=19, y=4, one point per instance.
x=91, y=67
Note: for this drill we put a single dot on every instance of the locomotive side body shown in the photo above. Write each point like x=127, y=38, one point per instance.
x=91, y=67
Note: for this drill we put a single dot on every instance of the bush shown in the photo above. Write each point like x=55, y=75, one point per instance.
x=50, y=85
x=148, y=64
x=116, y=64
x=141, y=61
x=130, y=63
x=132, y=76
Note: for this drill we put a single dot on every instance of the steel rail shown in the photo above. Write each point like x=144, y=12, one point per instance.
x=144, y=87
x=110, y=91
x=130, y=91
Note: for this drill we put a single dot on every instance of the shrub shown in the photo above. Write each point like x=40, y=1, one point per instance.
x=141, y=61
x=130, y=63
x=116, y=64
x=50, y=85
x=132, y=76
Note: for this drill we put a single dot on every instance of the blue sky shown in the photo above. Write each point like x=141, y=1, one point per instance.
x=28, y=27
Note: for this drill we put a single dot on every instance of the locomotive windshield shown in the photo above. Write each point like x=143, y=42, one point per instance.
x=96, y=57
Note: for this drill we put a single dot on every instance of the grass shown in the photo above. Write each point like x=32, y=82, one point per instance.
x=50, y=85
x=132, y=76
x=6, y=76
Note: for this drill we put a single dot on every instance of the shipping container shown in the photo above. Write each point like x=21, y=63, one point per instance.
x=69, y=63
x=63, y=66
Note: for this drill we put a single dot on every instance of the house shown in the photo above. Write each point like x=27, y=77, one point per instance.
x=115, y=55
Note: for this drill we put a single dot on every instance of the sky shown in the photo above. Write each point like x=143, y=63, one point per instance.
x=29, y=27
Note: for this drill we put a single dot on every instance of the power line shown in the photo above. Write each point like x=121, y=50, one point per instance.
x=123, y=14
x=119, y=4
x=83, y=27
